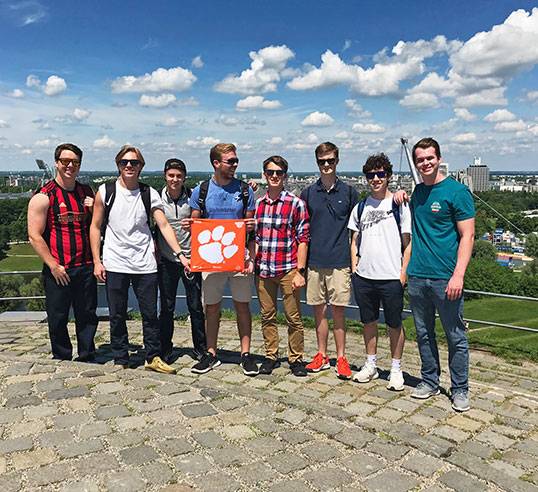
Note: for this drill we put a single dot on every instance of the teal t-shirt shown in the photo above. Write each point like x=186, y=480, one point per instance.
x=436, y=210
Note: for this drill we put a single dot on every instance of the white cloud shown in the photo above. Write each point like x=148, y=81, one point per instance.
x=43, y=143
x=27, y=12
x=347, y=45
x=256, y=102
x=312, y=138
x=317, y=119
x=16, y=93
x=464, y=138
x=171, y=122
x=275, y=141
x=445, y=125
x=203, y=142
x=368, y=128
x=174, y=79
x=486, y=97
x=342, y=135
x=532, y=96
x=197, y=62
x=511, y=126
x=52, y=87
x=263, y=74
x=187, y=101
x=4, y=124
x=356, y=110
x=233, y=121
x=104, y=143
x=500, y=115
x=81, y=114
x=420, y=100
x=464, y=114
x=160, y=101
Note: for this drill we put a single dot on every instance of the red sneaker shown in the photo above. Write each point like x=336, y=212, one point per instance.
x=342, y=368
x=319, y=363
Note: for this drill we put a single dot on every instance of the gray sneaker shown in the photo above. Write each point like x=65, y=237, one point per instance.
x=423, y=391
x=460, y=402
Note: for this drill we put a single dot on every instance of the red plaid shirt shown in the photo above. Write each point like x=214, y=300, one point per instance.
x=281, y=225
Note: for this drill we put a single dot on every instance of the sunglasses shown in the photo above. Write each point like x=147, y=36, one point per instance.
x=379, y=174
x=134, y=162
x=231, y=161
x=65, y=161
x=272, y=172
x=322, y=162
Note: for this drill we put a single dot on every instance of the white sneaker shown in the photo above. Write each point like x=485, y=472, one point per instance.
x=367, y=373
x=396, y=380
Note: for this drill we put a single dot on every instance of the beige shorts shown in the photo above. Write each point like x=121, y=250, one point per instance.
x=213, y=284
x=332, y=284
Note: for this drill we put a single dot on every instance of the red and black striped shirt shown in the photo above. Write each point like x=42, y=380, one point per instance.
x=68, y=224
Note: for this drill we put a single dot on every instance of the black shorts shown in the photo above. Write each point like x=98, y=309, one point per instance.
x=369, y=293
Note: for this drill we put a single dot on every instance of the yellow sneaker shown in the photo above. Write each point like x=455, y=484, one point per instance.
x=158, y=365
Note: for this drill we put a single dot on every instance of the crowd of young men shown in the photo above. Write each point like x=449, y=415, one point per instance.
x=292, y=243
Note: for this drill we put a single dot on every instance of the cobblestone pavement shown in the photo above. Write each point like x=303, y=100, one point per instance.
x=81, y=427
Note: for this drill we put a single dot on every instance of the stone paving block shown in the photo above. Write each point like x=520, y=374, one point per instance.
x=422, y=420
x=11, y=482
x=321, y=451
x=49, y=474
x=295, y=485
x=326, y=426
x=63, y=394
x=166, y=431
x=107, y=400
x=422, y=464
x=3, y=465
x=403, y=404
x=115, y=387
x=79, y=404
x=55, y=438
x=80, y=448
x=390, y=481
x=461, y=483
x=175, y=447
x=97, y=464
x=292, y=416
x=81, y=486
x=476, y=449
x=193, y=464
x=507, y=468
x=287, y=462
x=520, y=459
x=329, y=380
x=138, y=455
x=157, y=473
x=16, y=444
x=528, y=446
x=209, y=439
x=480, y=415
x=225, y=483
x=180, y=398
x=339, y=399
x=229, y=456
x=93, y=430
x=198, y=410
x=28, y=428
x=12, y=415
x=436, y=413
x=40, y=412
x=268, y=426
x=125, y=481
x=231, y=418
x=356, y=438
x=18, y=369
x=498, y=441
x=204, y=423
x=125, y=439
x=18, y=389
x=227, y=404
x=362, y=464
x=105, y=413
x=461, y=422
x=131, y=422
x=67, y=421
x=389, y=450
x=450, y=433
x=238, y=432
x=328, y=478
x=389, y=414
x=22, y=401
x=49, y=385
x=295, y=437
x=39, y=457
x=264, y=446
x=256, y=472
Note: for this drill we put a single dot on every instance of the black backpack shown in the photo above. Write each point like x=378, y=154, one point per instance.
x=204, y=187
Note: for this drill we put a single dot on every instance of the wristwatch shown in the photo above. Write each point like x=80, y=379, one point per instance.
x=179, y=254
x=302, y=271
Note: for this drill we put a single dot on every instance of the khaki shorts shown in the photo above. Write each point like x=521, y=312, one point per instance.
x=333, y=284
x=213, y=284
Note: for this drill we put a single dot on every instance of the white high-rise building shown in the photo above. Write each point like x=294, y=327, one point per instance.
x=479, y=174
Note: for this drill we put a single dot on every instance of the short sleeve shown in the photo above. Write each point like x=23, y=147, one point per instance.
x=251, y=204
x=354, y=197
x=156, y=201
x=405, y=218
x=464, y=205
x=353, y=222
x=193, y=200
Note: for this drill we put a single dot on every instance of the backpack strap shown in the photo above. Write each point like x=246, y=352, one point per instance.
x=188, y=191
x=145, y=193
x=362, y=204
x=245, y=193
x=204, y=186
x=110, y=196
x=396, y=215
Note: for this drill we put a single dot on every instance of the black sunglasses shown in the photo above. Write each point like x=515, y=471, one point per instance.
x=231, y=161
x=379, y=174
x=278, y=172
x=322, y=162
x=134, y=162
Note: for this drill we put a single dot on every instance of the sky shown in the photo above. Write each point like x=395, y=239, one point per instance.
x=278, y=77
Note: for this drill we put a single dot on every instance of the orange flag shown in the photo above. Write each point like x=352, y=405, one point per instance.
x=218, y=245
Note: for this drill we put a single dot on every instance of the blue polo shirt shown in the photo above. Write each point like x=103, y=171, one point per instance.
x=329, y=213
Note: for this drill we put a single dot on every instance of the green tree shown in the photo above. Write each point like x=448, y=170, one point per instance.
x=9, y=287
x=484, y=250
x=531, y=245
x=34, y=288
x=489, y=276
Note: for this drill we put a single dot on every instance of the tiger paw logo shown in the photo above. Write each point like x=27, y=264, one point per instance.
x=436, y=206
x=216, y=245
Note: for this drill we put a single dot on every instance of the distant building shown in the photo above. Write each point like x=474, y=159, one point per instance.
x=443, y=169
x=463, y=178
x=479, y=174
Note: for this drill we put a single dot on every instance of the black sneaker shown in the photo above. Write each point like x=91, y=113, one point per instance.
x=269, y=365
x=298, y=369
x=208, y=362
x=248, y=365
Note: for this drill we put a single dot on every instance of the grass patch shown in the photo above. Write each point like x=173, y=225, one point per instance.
x=21, y=257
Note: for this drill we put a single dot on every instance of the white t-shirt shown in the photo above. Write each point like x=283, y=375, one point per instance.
x=128, y=246
x=380, y=255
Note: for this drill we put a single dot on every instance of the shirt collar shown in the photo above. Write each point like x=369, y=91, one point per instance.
x=280, y=197
x=335, y=188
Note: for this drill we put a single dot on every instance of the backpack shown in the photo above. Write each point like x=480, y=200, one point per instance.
x=204, y=187
x=110, y=196
x=395, y=213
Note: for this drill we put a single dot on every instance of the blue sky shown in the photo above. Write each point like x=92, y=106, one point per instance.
x=176, y=77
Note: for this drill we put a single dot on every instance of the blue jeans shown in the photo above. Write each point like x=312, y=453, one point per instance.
x=117, y=291
x=169, y=275
x=426, y=295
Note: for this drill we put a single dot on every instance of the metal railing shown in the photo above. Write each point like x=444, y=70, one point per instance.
x=349, y=306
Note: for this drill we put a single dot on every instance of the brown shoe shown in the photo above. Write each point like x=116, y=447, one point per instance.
x=121, y=366
x=158, y=365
